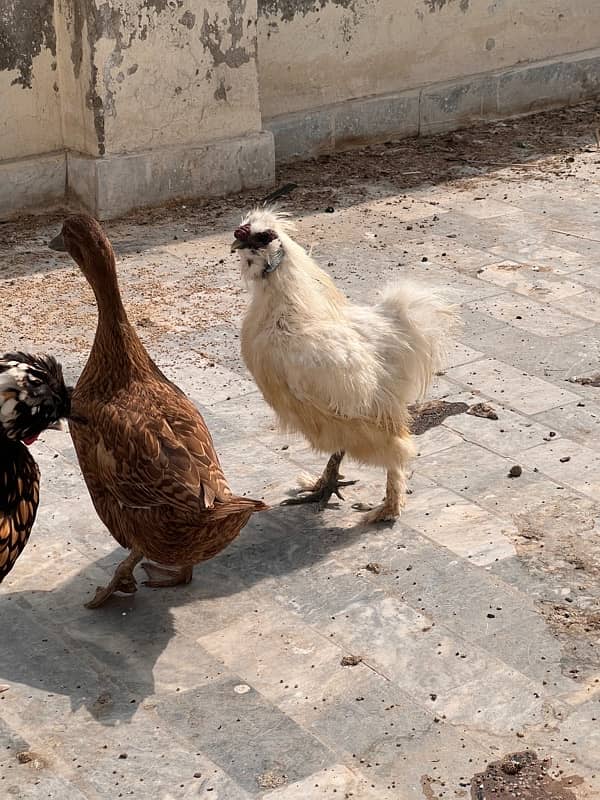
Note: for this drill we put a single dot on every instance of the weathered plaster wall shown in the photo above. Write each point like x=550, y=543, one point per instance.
x=145, y=100
x=316, y=52
x=29, y=92
x=154, y=73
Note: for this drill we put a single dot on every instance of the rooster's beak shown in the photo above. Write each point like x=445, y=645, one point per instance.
x=58, y=243
x=237, y=244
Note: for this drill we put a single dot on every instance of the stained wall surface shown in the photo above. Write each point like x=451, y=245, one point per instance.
x=316, y=52
x=30, y=120
x=143, y=100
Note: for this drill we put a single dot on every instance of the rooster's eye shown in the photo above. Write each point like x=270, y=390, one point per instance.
x=264, y=237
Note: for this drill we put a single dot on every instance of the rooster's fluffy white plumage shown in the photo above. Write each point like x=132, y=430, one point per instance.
x=341, y=374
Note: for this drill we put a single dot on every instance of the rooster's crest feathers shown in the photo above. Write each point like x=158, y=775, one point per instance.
x=268, y=219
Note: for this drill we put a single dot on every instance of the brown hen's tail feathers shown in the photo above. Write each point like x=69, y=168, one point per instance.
x=237, y=505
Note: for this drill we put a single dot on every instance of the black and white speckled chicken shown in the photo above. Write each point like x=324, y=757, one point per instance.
x=33, y=398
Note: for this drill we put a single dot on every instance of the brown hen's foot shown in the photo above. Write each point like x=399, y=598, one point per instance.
x=320, y=492
x=123, y=581
x=161, y=577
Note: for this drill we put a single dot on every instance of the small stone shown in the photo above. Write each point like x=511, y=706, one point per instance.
x=515, y=471
x=122, y=755
x=350, y=661
x=374, y=567
x=482, y=410
x=564, y=459
x=329, y=210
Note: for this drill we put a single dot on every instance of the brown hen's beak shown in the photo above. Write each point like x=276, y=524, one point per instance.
x=58, y=243
x=237, y=244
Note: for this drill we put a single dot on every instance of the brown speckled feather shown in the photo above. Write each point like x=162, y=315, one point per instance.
x=145, y=452
x=19, y=496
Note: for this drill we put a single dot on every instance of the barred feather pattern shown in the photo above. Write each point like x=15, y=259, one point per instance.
x=19, y=496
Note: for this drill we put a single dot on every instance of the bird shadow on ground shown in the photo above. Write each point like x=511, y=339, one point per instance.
x=112, y=659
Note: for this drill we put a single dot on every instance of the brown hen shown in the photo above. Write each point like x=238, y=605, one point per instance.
x=145, y=452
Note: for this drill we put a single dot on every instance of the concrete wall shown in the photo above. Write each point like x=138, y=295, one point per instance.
x=29, y=93
x=316, y=52
x=121, y=103
x=131, y=92
x=339, y=72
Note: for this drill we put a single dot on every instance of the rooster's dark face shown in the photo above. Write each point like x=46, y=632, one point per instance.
x=246, y=239
x=259, y=248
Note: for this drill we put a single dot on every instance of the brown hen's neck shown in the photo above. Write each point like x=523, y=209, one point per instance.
x=116, y=341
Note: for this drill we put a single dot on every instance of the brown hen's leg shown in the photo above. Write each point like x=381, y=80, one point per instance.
x=123, y=581
x=163, y=576
x=329, y=483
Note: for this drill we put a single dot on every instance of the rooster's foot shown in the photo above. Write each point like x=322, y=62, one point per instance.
x=123, y=581
x=388, y=511
x=161, y=577
x=319, y=493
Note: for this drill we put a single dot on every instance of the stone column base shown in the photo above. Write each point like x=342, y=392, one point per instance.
x=36, y=182
x=115, y=184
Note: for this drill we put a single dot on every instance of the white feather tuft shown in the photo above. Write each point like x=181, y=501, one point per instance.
x=340, y=373
x=268, y=219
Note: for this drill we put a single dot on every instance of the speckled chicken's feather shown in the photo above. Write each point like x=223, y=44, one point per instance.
x=19, y=495
x=33, y=394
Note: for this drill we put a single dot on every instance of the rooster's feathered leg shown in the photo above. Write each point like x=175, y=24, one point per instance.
x=329, y=483
x=402, y=450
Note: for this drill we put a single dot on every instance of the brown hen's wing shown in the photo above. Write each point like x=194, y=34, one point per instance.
x=143, y=462
x=190, y=430
x=19, y=487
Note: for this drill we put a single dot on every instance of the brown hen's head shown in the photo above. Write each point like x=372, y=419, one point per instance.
x=85, y=241
x=33, y=396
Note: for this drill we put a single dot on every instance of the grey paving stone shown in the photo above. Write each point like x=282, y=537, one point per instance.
x=243, y=733
x=474, y=614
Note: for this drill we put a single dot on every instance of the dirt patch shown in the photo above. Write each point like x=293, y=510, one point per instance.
x=28, y=757
x=559, y=544
x=271, y=779
x=523, y=775
x=428, y=415
x=592, y=380
x=566, y=617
